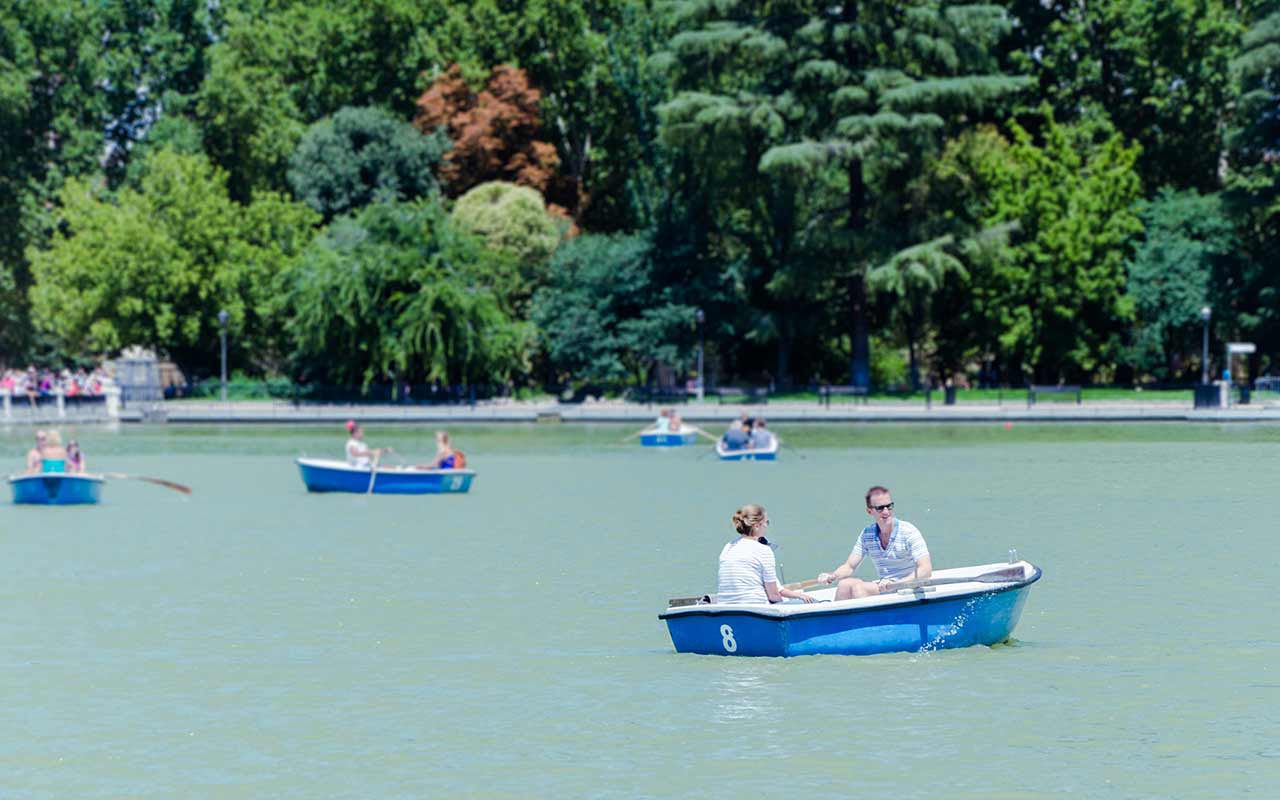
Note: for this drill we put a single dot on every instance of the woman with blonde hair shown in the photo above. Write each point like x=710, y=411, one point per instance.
x=53, y=456
x=748, y=572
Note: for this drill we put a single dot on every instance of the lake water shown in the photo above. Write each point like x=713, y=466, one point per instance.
x=254, y=641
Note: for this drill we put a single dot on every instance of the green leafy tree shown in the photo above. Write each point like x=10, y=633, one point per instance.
x=1247, y=298
x=1189, y=241
x=603, y=316
x=808, y=126
x=513, y=220
x=363, y=155
x=1158, y=69
x=1059, y=296
x=154, y=266
x=402, y=294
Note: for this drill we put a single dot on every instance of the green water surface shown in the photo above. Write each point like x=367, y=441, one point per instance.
x=254, y=641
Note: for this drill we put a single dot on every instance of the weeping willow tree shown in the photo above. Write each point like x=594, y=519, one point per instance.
x=398, y=293
x=811, y=126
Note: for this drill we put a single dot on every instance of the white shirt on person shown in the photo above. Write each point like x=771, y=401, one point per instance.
x=745, y=567
x=898, y=560
x=357, y=453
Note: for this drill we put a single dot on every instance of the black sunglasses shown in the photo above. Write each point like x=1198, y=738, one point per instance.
x=882, y=507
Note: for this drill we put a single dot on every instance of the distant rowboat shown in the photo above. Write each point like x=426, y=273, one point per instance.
x=327, y=475
x=769, y=453
x=56, y=489
x=956, y=608
x=655, y=438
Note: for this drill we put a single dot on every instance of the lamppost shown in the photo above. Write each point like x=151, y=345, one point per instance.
x=700, y=318
x=1205, y=314
x=223, y=316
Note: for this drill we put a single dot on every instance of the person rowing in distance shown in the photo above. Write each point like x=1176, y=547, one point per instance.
x=896, y=546
x=359, y=454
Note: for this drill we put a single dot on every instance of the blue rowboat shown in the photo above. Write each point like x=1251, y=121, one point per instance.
x=655, y=438
x=968, y=606
x=56, y=488
x=326, y=475
x=769, y=453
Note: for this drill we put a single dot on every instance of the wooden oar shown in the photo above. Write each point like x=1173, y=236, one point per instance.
x=701, y=432
x=373, y=470
x=634, y=435
x=177, y=487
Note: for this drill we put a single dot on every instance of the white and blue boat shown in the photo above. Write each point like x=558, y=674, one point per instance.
x=961, y=607
x=769, y=453
x=655, y=438
x=327, y=475
x=57, y=488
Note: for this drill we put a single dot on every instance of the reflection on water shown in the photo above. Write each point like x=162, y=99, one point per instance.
x=742, y=691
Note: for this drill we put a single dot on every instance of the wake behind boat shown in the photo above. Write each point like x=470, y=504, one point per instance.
x=958, y=607
x=769, y=453
x=57, y=488
x=329, y=475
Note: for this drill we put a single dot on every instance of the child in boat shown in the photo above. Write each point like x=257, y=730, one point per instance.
x=677, y=424
x=75, y=457
x=663, y=423
x=748, y=572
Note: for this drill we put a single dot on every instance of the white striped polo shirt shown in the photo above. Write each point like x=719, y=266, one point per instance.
x=898, y=560
x=745, y=567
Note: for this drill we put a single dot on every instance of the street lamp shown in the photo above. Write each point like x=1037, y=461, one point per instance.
x=1205, y=314
x=223, y=316
x=700, y=318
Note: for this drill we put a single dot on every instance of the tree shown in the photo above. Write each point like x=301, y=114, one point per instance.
x=405, y=295
x=808, y=125
x=1059, y=295
x=603, y=316
x=1189, y=240
x=494, y=132
x=154, y=266
x=1158, y=69
x=513, y=220
x=360, y=156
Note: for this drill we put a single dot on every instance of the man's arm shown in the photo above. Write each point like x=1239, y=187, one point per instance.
x=843, y=571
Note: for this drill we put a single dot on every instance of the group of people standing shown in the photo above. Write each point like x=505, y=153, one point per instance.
x=50, y=456
x=36, y=384
x=361, y=456
x=748, y=433
x=749, y=573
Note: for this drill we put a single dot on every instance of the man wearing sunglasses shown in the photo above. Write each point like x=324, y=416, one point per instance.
x=896, y=546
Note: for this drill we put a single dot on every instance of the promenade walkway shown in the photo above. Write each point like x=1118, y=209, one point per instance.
x=776, y=412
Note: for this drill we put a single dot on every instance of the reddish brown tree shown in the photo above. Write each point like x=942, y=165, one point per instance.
x=495, y=135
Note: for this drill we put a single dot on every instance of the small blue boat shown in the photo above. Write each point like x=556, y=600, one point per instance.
x=769, y=453
x=963, y=607
x=655, y=438
x=326, y=475
x=57, y=489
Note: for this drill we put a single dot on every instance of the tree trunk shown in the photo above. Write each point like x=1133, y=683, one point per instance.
x=860, y=357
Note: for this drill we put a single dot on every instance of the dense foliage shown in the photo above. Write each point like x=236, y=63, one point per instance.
x=545, y=192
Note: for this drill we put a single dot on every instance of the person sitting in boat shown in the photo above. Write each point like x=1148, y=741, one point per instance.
x=896, y=546
x=761, y=436
x=663, y=423
x=75, y=457
x=738, y=437
x=359, y=454
x=53, y=456
x=36, y=454
x=748, y=572
x=446, y=456
x=675, y=422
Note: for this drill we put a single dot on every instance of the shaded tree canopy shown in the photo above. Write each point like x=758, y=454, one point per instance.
x=361, y=156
